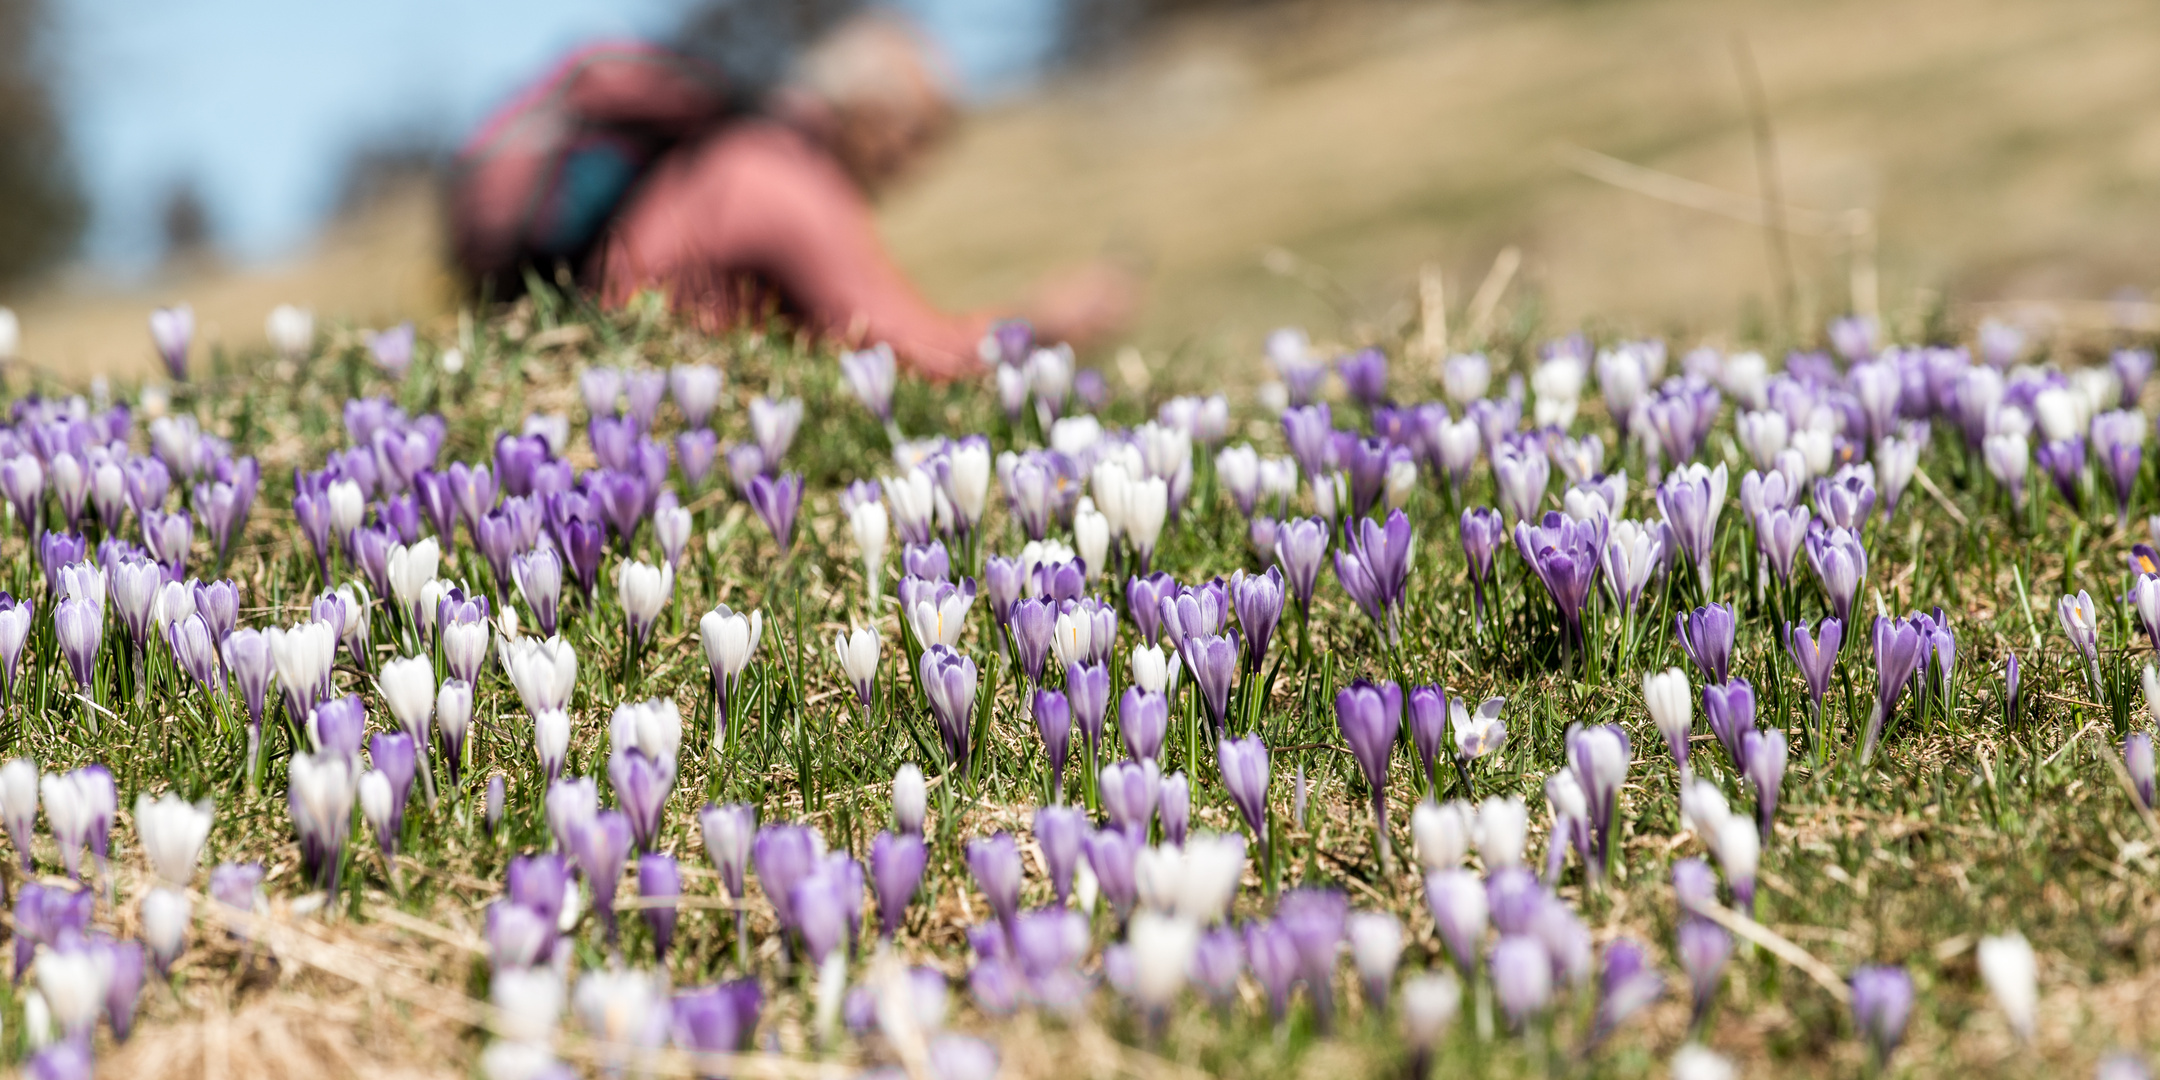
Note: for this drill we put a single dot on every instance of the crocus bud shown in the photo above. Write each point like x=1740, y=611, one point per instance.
x=896, y=868
x=1442, y=833
x=165, y=917
x=408, y=689
x=858, y=656
x=2010, y=970
x=494, y=804
x=19, y=804
x=1162, y=948
x=1672, y=706
x=1503, y=829
x=1429, y=1005
x=1739, y=851
x=172, y=832
x=1375, y=948
x=1153, y=671
x=1176, y=808
x=1207, y=882
x=728, y=832
x=660, y=879
x=1882, y=999
x=911, y=799
x=1695, y=1061
x=995, y=863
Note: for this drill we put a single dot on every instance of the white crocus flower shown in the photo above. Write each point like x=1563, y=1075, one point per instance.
x=2011, y=972
x=411, y=568
x=1154, y=670
x=172, y=831
x=544, y=672
x=1503, y=829
x=872, y=529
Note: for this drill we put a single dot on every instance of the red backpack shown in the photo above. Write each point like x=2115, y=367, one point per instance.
x=539, y=183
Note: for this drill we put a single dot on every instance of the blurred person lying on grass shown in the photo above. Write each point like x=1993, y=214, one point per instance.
x=634, y=167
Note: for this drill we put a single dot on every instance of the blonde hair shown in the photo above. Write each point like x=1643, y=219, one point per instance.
x=873, y=59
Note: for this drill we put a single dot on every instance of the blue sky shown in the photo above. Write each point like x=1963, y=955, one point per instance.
x=261, y=102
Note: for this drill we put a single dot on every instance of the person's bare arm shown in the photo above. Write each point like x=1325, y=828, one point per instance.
x=815, y=237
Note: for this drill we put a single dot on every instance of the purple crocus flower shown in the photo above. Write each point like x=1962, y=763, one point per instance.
x=1176, y=808
x=1258, y=601
x=1369, y=716
x=641, y=784
x=1627, y=983
x=1214, y=661
x=167, y=537
x=1307, y=429
x=1130, y=791
x=188, y=638
x=1300, y=546
x=1598, y=757
x=1373, y=565
x=717, y=1019
x=1691, y=499
x=1779, y=532
x=1815, y=654
x=602, y=849
x=1243, y=765
x=994, y=861
x=1882, y=999
x=247, y=656
x=172, y=329
x=1839, y=562
x=79, y=625
x=538, y=574
x=1522, y=977
x=1031, y=625
x=785, y=856
x=1110, y=855
x=659, y=878
x=1428, y=711
x=44, y=914
x=1762, y=762
x=2064, y=462
x=1274, y=959
x=1565, y=555
x=1053, y=720
x=58, y=549
x=219, y=604
x=1364, y=374
x=2010, y=691
x=1482, y=531
x=1899, y=649
x=2119, y=442
x=1315, y=918
x=1087, y=692
x=949, y=681
x=1521, y=472
x=776, y=501
x=1731, y=709
x=896, y=869
x=2137, y=752
x=930, y=562
x=1059, y=831
x=1707, y=635
x=1845, y=500
x=695, y=452
x=1144, y=721
x=1703, y=948
x=1460, y=910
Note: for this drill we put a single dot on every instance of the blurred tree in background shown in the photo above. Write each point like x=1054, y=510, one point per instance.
x=41, y=209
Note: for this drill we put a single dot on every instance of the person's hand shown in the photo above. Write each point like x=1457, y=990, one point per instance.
x=1084, y=303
